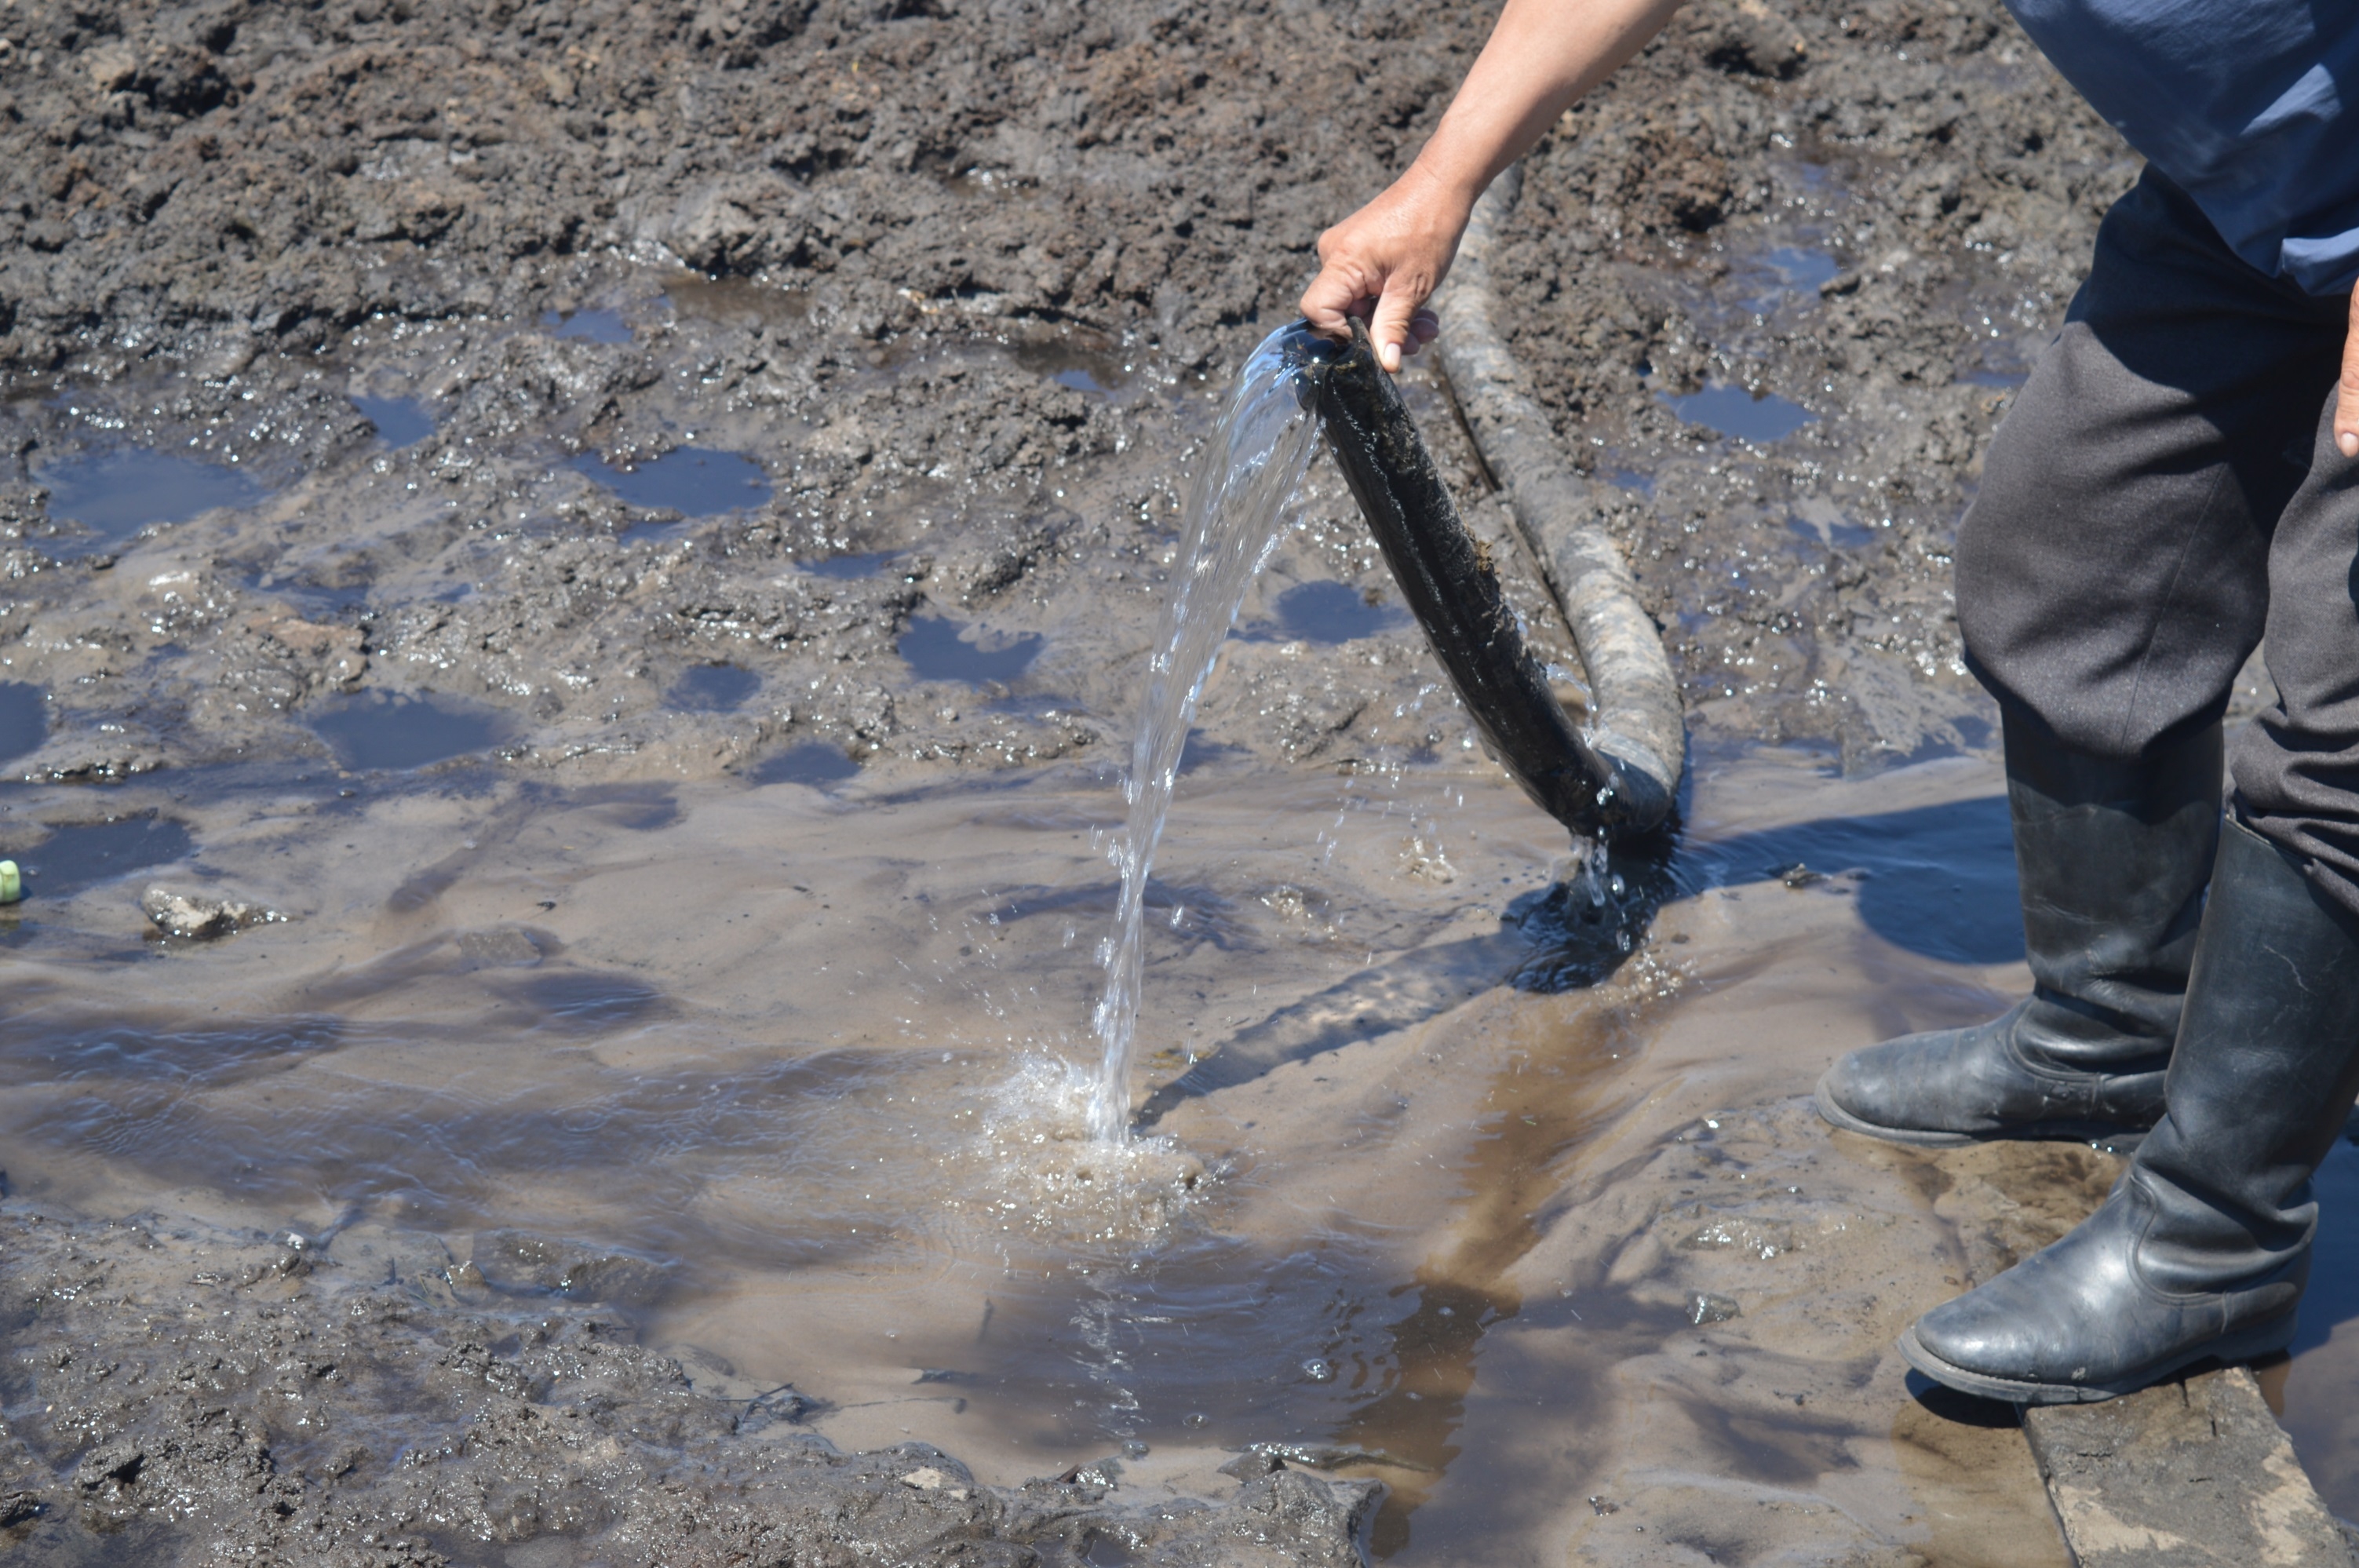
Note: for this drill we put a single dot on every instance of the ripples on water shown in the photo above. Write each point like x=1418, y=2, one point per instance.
x=1235, y=505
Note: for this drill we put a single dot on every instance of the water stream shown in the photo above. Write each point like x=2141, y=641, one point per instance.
x=1235, y=509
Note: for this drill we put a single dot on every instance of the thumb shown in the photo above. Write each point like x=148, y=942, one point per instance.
x=2346, y=391
x=1390, y=325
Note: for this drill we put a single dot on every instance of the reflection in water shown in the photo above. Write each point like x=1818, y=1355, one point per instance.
x=596, y=326
x=400, y=421
x=24, y=719
x=712, y=689
x=113, y=495
x=814, y=763
x=737, y=301
x=866, y=563
x=376, y=730
x=1762, y=416
x=74, y=855
x=1089, y=366
x=1332, y=613
x=939, y=649
x=693, y=481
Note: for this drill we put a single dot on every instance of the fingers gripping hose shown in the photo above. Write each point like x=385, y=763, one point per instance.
x=1448, y=578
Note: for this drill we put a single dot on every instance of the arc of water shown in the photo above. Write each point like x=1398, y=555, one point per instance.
x=1235, y=507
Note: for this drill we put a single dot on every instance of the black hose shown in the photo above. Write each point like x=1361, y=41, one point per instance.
x=1448, y=578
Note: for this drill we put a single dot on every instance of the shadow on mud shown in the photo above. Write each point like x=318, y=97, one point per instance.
x=1938, y=881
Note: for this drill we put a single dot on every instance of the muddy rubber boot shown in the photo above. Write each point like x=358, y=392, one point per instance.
x=2201, y=1252
x=2112, y=857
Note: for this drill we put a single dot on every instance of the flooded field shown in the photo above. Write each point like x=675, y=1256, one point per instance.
x=802, y=1075
x=641, y=574
x=806, y=1076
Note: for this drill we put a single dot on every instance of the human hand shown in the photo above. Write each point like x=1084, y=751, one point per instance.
x=1383, y=262
x=2346, y=393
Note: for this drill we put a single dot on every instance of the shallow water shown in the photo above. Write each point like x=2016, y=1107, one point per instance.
x=813, y=763
x=24, y=719
x=712, y=689
x=1761, y=417
x=862, y=563
x=1332, y=613
x=400, y=421
x=59, y=856
x=111, y=496
x=375, y=730
x=939, y=649
x=807, y=1072
x=593, y=326
x=695, y=482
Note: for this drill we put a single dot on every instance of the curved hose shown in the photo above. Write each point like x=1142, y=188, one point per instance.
x=1638, y=719
x=1447, y=576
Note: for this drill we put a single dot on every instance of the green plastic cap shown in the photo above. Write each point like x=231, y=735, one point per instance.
x=12, y=882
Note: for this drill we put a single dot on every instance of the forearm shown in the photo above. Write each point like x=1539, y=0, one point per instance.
x=1386, y=259
x=1542, y=56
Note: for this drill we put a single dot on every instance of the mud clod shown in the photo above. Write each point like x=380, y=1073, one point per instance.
x=196, y=919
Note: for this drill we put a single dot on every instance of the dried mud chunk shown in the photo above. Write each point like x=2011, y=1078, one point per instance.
x=1705, y=1308
x=110, y=1465
x=518, y=1260
x=196, y=919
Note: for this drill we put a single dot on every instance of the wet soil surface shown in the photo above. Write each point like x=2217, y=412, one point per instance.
x=539, y=357
x=367, y=1400
x=639, y=532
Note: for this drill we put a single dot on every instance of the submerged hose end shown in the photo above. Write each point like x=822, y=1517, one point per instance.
x=1452, y=584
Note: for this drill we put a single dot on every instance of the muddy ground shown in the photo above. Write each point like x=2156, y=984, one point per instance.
x=961, y=282
x=961, y=285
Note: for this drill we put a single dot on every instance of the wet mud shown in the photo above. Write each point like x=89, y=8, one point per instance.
x=639, y=534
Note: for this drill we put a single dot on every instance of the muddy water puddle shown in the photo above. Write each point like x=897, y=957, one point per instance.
x=695, y=482
x=591, y=326
x=1329, y=613
x=1757, y=417
x=400, y=422
x=374, y=730
x=936, y=647
x=24, y=719
x=1433, y=1182
x=712, y=689
x=814, y=764
x=106, y=497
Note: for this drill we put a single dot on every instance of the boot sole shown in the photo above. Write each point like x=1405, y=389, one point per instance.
x=2249, y=1345
x=2119, y=1139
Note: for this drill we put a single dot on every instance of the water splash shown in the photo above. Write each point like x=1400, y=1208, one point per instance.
x=1234, y=510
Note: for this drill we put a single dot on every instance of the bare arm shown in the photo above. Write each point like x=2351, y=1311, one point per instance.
x=1387, y=259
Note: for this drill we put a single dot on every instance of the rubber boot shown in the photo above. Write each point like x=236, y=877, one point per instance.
x=2112, y=857
x=2201, y=1252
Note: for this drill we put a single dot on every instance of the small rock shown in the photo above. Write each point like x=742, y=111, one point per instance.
x=118, y=1460
x=926, y=1478
x=1704, y=1307
x=111, y=66
x=1102, y=1473
x=201, y=919
x=16, y=1507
